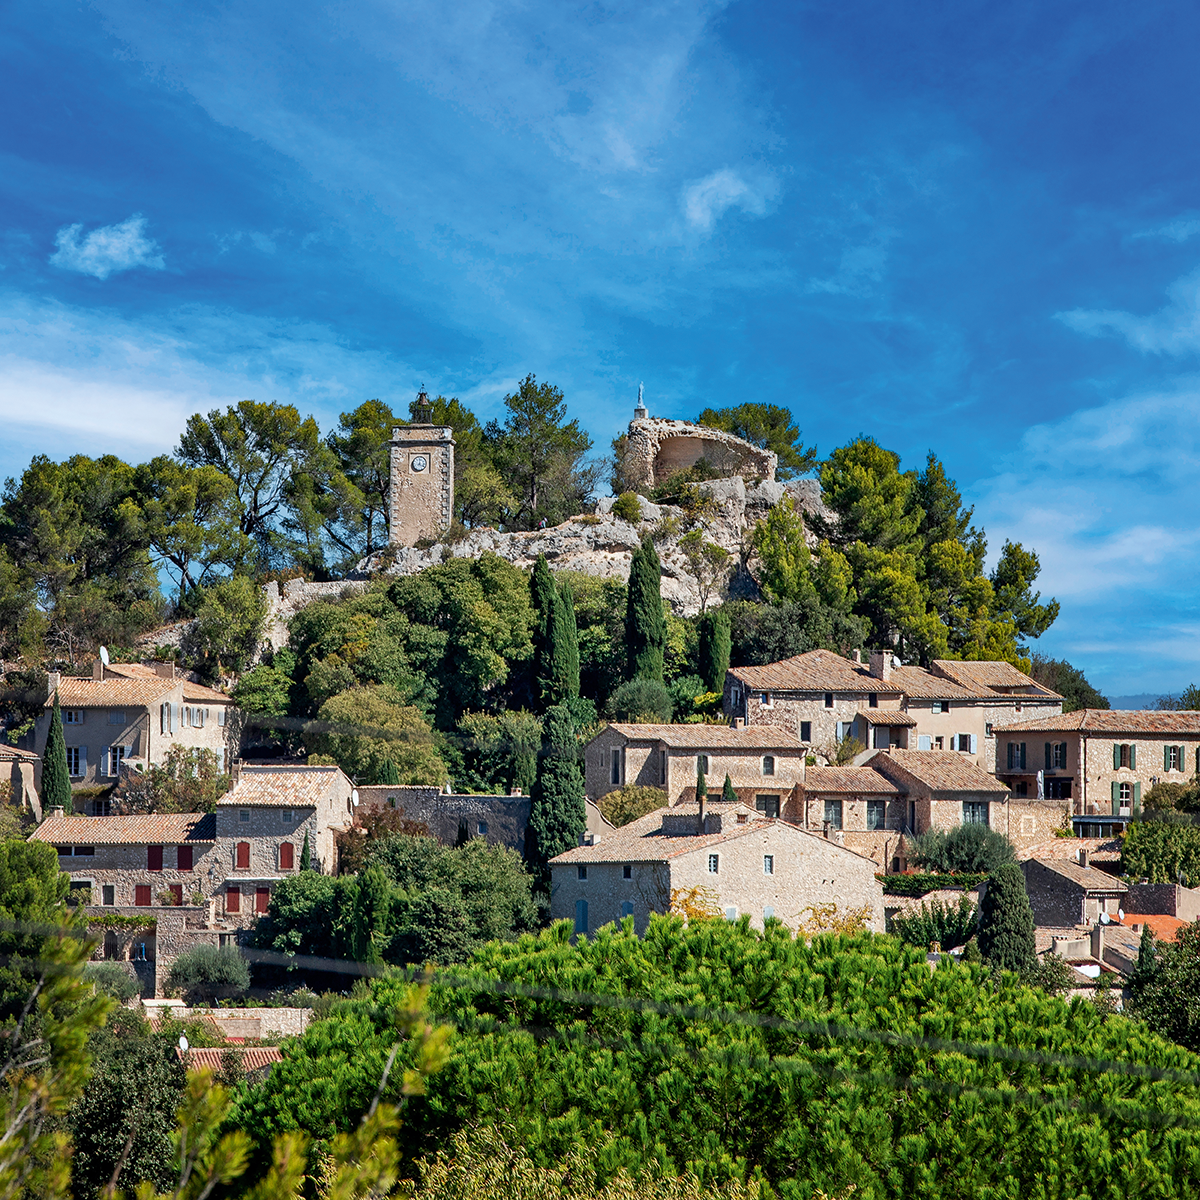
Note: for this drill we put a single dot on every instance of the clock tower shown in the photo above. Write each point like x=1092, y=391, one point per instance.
x=421, y=499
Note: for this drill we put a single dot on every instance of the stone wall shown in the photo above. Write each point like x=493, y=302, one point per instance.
x=251, y=1023
x=125, y=867
x=657, y=448
x=1168, y=899
x=499, y=819
x=421, y=496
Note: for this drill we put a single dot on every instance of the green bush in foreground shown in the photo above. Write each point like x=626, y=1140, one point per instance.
x=868, y=1070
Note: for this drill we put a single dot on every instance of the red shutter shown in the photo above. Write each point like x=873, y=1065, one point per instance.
x=141, y=895
x=177, y=892
x=233, y=899
x=262, y=898
x=286, y=856
x=185, y=858
x=154, y=858
x=243, y=855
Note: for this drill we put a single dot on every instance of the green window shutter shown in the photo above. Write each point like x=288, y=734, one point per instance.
x=1116, y=792
x=1047, y=756
x=1133, y=756
x=1116, y=755
x=1022, y=756
x=1166, y=758
x=1137, y=796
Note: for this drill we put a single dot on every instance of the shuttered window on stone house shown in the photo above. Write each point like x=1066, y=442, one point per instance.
x=1016, y=756
x=1124, y=755
x=1173, y=759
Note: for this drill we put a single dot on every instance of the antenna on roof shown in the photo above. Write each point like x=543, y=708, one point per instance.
x=104, y=655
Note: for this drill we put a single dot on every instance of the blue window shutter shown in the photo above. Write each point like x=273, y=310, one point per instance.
x=974, y=743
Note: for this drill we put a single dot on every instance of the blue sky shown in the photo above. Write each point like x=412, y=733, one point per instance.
x=966, y=227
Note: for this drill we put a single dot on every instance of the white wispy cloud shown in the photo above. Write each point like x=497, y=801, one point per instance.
x=108, y=249
x=1174, y=330
x=1179, y=229
x=706, y=200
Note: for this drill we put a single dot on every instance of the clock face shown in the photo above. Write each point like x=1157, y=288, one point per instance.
x=420, y=462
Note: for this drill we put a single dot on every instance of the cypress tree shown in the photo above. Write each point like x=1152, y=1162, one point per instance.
x=715, y=645
x=645, y=625
x=557, y=817
x=389, y=776
x=56, y=777
x=305, y=854
x=701, y=785
x=464, y=833
x=1006, y=921
x=545, y=604
x=727, y=792
x=566, y=646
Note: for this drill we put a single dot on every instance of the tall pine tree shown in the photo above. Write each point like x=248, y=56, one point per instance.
x=566, y=645
x=645, y=625
x=715, y=644
x=545, y=603
x=1006, y=921
x=56, y=776
x=557, y=817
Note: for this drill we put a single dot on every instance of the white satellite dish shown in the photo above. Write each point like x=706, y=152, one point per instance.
x=1104, y=918
x=104, y=655
x=1120, y=914
x=183, y=1042
x=354, y=796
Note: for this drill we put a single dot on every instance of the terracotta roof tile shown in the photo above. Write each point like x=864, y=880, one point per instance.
x=1105, y=720
x=815, y=671
x=939, y=770
x=886, y=716
x=1087, y=877
x=197, y=691
x=1163, y=927
x=143, y=830
x=253, y=1057
x=1099, y=849
x=16, y=754
x=985, y=675
x=287, y=787
x=111, y=693
x=916, y=681
x=849, y=780
x=712, y=737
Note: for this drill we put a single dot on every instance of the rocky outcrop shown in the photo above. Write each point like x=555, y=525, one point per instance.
x=656, y=448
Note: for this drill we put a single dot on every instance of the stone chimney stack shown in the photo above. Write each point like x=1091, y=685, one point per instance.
x=857, y=656
x=1083, y=857
x=1097, y=946
x=53, y=680
x=97, y=670
x=881, y=664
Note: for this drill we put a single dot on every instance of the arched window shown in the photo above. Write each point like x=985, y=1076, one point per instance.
x=581, y=920
x=768, y=764
x=287, y=855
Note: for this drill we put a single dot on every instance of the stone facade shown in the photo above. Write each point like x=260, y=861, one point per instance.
x=21, y=769
x=127, y=717
x=666, y=756
x=1100, y=762
x=745, y=865
x=657, y=448
x=1063, y=894
x=421, y=495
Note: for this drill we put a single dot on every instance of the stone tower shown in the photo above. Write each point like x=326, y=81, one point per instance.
x=421, y=502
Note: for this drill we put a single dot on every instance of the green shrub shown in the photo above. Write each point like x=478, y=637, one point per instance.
x=112, y=979
x=204, y=971
x=1162, y=852
x=949, y=925
x=923, y=884
x=1006, y=921
x=644, y=701
x=628, y=507
x=625, y=804
x=975, y=848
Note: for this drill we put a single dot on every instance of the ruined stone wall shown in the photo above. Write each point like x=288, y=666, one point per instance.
x=657, y=448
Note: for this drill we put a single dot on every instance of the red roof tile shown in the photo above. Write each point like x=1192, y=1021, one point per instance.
x=1105, y=720
x=253, y=1057
x=111, y=693
x=711, y=737
x=815, y=671
x=849, y=780
x=287, y=787
x=142, y=830
x=939, y=770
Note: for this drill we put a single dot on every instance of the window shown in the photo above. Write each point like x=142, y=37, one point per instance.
x=966, y=743
x=1020, y=790
x=924, y=741
x=1126, y=793
x=768, y=864
x=1124, y=755
x=940, y=706
x=1058, y=789
x=806, y=731
x=243, y=814
x=626, y=908
x=975, y=812
x=1056, y=756
x=164, y=718
x=1016, y=756
x=768, y=913
x=764, y=698
x=391, y=802
x=233, y=900
x=141, y=895
x=987, y=728
x=872, y=700
x=116, y=716
x=937, y=743
x=767, y=805
x=828, y=699
x=768, y=764
x=581, y=920
x=72, y=716
x=262, y=899
x=202, y=714
x=176, y=890
x=481, y=829
x=183, y=857
x=1173, y=758
x=615, y=776
x=154, y=858
x=662, y=761
x=714, y=864
x=221, y=715
x=702, y=764
x=84, y=851
x=102, y=808
x=731, y=912
x=116, y=759
x=628, y=871
x=75, y=760
x=287, y=816
x=63, y=851
x=833, y=814
x=581, y=871
x=876, y=814
x=287, y=856
x=242, y=862
x=108, y=895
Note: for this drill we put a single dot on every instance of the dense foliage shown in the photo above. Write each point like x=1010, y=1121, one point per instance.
x=826, y=1064
x=645, y=625
x=630, y=801
x=969, y=849
x=949, y=925
x=1162, y=852
x=204, y=971
x=1006, y=921
x=556, y=811
x=921, y=883
x=1068, y=681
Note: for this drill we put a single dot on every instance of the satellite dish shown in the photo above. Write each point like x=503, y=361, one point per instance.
x=354, y=795
x=104, y=655
x=183, y=1042
x=1120, y=914
x=1104, y=918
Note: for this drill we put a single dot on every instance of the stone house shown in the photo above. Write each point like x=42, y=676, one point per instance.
x=20, y=769
x=764, y=758
x=128, y=716
x=821, y=697
x=729, y=856
x=858, y=807
x=1099, y=760
x=1063, y=893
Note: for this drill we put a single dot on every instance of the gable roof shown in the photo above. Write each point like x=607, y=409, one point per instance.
x=643, y=840
x=191, y=689
x=16, y=754
x=814, y=671
x=253, y=1057
x=995, y=676
x=1107, y=720
x=145, y=829
x=938, y=770
x=1086, y=877
x=849, y=780
x=111, y=693
x=925, y=685
x=711, y=737
x=284, y=787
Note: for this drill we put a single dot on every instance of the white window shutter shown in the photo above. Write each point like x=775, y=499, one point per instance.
x=104, y=757
x=174, y=716
x=974, y=744
x=82, y=760
x=221, y=715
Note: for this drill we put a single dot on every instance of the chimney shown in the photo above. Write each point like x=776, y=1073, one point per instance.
x=97, y=671
x=1083, y=857
x=1098, y=943
x=857, y=656
x=739, y=722
x=235, y=771
x=881, y=664
x=53, y=679
x=703, y=814
x=516, y=792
